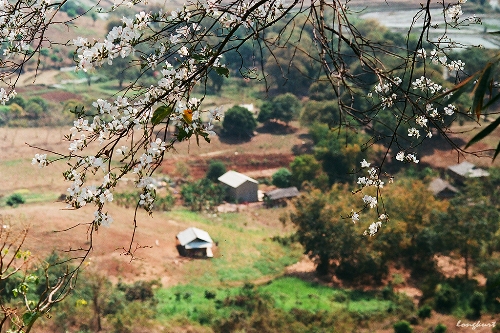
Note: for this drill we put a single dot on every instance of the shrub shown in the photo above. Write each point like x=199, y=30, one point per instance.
x=402, y=327
x=202, y=195
x=209, y=294
x=238, y=122
x=445, y=299
x=130, y=199
x=15, y=200
x=476, y=303
x=493, y=291
x=139, y=290
x=281, y=178
x=440, y=328
x=424, y=312
x=304, y=168
x=215, y=170
x=284, y=107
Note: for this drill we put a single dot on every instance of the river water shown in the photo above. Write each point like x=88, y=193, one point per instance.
x=473, y=34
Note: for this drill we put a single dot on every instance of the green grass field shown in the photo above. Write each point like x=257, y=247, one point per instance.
x=194, y=302
x=245, y=250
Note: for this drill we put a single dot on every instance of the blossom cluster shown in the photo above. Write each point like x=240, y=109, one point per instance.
x=22, y=24
x=386, y=91
x=40, y=160
x=371, y=180
x=406, y=158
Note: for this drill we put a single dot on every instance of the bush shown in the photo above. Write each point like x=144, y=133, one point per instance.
x=130, y=200
x=476, y=303
x=440, y=328
x=209, y=294
x=215, y=170
x=445, y=299
x=15, y=200
x=402, y=327
x=139, y=290
x=281, y=178
x=284, y=107
x=203, y=195
x=238, y=122
x=304, y=168
x=493, y=292
x=424, y=312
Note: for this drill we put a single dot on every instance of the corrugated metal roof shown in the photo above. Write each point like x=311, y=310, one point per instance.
x=235, y=179
x=192, y=234
x=467, y=169
x=198, y=245
x=281, y=193
x=437, y=185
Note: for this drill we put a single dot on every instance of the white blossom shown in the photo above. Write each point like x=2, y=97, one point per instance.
x=40, y=160
x=365, y=164
x=369, y=200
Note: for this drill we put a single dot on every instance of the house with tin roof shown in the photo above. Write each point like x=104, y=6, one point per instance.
x=194, y=242
x=466, y=170
x=279, y=196
x=241, y=187
x=442, y=189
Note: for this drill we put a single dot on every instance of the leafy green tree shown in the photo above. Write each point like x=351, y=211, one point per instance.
x=238, y=122
x=17, y=100
x=281, y=178
x=411, y=238
x=215, y=170
x=324, y=236
x=304, y=168
x=93, y=16
x=339, y=153
x=16, y=111
x=320, y=112
x=123, y=69
x=440, y=328
x=202, y=194
x=493, y=292
x=321, y=90
x=290, y=71
x=15, y=200
x=216, y=81
x=446, y=298
x=425, y=312
x=284, y=107
x=476, y=303
x=467, y=228
x=34, y=110
x=266, y=112
x=402, y=327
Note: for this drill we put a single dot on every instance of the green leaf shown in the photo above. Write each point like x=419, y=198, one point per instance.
x=182, y=134
x=161, y=113
x=480, y=89
x=222, y=71
x=494, y=32
x=496, y=151
x=491, y=101
x=481, y=135
x=457, y=90
x=197, y=57
x=206, y=137
x=29, y=317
